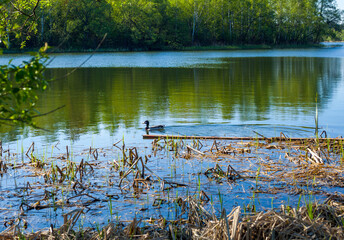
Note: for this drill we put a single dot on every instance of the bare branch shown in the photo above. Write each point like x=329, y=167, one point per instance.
x=54, y=110
x=101, y=42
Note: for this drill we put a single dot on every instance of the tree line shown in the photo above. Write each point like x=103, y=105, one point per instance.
x=162, y=24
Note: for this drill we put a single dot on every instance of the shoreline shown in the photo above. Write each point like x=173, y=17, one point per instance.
x=186, y=49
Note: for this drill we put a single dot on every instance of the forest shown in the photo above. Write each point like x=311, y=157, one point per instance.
x=166, y=24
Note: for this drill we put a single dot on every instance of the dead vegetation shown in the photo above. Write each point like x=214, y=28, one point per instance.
x=284, y=223
x=77, y=183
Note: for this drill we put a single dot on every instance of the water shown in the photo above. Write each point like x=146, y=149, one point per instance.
x=214, y=93
x=218, y=93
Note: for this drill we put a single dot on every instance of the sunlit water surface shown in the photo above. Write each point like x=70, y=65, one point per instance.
x=222, y=93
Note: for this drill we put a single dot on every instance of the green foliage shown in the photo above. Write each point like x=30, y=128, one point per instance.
x=19, y=21
x=335, y=35
x=157, y=24
x=19, y=88
x=20, y=85
x=77, y=24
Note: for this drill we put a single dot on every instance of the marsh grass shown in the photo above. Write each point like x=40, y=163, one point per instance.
x=110, y=176
x=200, y=224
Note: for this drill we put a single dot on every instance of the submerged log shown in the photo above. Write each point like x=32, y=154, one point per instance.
x=272, y=139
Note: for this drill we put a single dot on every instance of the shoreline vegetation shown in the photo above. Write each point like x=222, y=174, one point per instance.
x=284, y=166
x=191, y=48
x=158, y=25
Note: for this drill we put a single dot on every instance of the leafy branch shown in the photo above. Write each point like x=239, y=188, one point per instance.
x=19, y=89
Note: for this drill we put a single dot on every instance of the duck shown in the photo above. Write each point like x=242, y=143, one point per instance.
x=157, y=127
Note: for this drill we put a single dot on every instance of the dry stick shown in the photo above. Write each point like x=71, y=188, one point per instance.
x=143, y=168
x=124, y=176
x=58, y=142
x=78, y=183
x=282, y=135
x=195, y=150
x=10, y=229
x=130, y=155
x=94, y=198
x=235, y=222
x=95, y=154
x=61, y=173
x=71, y=222
x=115, y=144
x=116, y=163
x=67, y=152
x=203, y=194
x=199, y=142
x=323, y=132
x=135, y=184
x=229, y=166
x=315, y=156
x=90, y=167
x=170, y=182
x=272, y=139
x=136, y=154
x=154, y=173
x=260, y=134
x=129, y=171
x=33, y=149
x=212, y=146
x=81, y=169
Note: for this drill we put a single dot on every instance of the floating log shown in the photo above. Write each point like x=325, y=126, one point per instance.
x=272, y=139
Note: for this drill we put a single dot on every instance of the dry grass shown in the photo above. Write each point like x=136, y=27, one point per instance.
x=286, y=223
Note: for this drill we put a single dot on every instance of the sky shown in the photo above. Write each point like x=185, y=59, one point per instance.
x=340, y=4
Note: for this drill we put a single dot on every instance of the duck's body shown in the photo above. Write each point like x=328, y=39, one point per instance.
x=157, y=127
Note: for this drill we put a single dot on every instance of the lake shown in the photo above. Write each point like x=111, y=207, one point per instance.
x=222, y=93
x=205, y=93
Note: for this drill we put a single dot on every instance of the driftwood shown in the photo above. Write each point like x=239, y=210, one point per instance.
x=195, y=150
x=272, y=139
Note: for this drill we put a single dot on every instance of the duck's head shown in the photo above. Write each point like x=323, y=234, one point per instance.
x=146, y=122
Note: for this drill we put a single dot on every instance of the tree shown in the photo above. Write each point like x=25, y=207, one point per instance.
x=157, y=24
x=329, y=17
x=79, y=24
x=18, y=21
x=19, y=85
x=140, y=20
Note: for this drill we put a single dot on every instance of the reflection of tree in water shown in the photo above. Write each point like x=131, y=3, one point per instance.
x=288, y=84
x=307, y=77
x=248, y=88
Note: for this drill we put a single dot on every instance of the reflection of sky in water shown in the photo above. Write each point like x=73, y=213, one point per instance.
x=172, y=59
